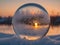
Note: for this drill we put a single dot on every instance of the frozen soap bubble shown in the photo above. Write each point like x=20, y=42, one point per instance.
x=31, y=22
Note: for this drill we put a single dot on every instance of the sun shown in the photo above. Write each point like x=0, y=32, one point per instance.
x=36, y=25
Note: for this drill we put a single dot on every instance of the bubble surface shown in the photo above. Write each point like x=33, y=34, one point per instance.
x=31, y=22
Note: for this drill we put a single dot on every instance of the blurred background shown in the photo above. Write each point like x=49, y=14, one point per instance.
x=7, y=10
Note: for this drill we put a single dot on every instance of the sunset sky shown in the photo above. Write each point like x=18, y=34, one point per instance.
x=8, y=7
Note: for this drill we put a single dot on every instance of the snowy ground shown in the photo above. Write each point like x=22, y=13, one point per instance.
x=9, y=39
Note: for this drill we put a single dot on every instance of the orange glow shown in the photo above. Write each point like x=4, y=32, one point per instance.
x=29, y=37
x=8, y=8
x=36, y=24
x=32, y=12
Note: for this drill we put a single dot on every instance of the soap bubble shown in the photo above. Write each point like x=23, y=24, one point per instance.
x=31, y=22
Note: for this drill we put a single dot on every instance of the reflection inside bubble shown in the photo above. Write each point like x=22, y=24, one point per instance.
x=29, y=37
